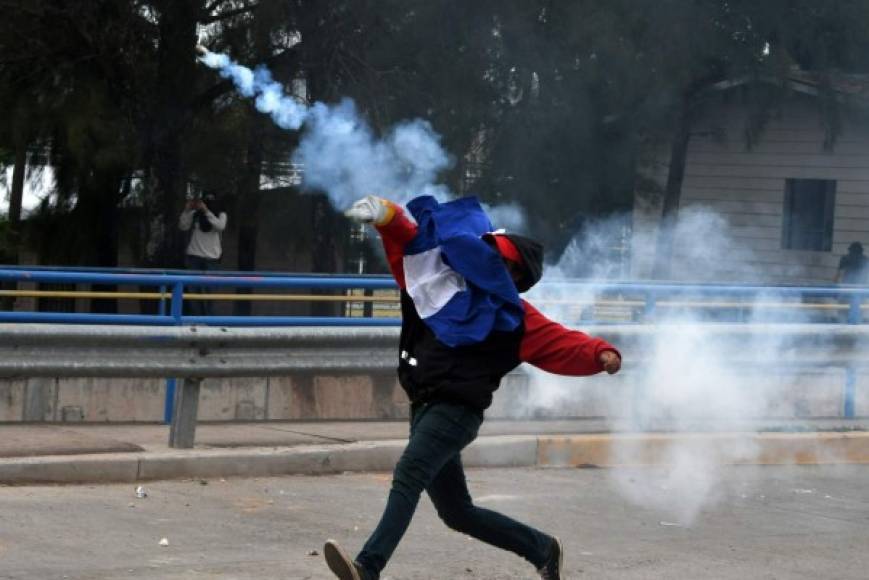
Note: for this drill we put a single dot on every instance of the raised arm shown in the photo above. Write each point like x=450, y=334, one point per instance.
x=396, y=233
x=395, y=228
x=185, y=220
x=560, y=350
x=218, y=222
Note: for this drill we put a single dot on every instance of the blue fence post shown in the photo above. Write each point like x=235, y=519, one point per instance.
x=854, y=314
x=850, y=393
x=169, y=403
x=176, y=309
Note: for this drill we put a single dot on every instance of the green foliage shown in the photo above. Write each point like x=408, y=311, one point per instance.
x=550, y=104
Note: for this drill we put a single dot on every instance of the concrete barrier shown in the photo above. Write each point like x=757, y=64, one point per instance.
x=114, y=373
x=805, y=393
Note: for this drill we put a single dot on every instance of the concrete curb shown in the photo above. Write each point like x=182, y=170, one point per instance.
x=606, y=450
x=649, y=449
x=503, y=451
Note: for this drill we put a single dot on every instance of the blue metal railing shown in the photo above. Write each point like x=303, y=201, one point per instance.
x=757, y=298
x=650, y=296
x=178, y=272
x=647, y=299
x=178, y=282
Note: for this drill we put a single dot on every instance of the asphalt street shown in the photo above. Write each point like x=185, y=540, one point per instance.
x=750, y=522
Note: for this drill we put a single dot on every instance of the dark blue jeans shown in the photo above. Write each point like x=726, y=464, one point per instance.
x=432, y=462
x=199, y=307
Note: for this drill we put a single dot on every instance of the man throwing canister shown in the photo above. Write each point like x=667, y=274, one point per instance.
x=464, y=327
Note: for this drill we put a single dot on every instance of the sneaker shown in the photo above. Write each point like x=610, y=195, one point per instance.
x=551, y=570
x=340, y=563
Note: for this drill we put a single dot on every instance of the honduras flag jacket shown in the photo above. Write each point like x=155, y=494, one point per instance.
x=464, y=326
x=457, y=282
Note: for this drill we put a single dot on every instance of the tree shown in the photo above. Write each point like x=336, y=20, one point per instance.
x=201, y=132
x=545, y=103
x=760, y=40
x=62, y=63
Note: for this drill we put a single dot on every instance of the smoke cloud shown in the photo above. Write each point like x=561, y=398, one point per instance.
x=686, y=368
x=342, y=155
x=682, y=373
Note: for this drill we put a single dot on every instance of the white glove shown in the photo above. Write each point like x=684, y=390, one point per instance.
x=369, y=209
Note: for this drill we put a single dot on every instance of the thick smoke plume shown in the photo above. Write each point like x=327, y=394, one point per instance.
x=686, y=369
x=342, y=155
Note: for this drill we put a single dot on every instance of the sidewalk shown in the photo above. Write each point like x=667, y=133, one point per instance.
x=66, y=453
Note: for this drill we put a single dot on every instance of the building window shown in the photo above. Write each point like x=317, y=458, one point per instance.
x=808, y=214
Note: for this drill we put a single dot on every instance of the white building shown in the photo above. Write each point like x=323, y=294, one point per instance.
x=782, y=210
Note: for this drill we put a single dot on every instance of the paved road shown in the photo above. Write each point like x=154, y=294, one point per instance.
x=761, y=522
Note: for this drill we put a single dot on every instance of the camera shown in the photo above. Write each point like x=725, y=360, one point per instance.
x=208, y=200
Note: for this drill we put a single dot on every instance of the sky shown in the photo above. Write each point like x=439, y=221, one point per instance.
x=34, y=190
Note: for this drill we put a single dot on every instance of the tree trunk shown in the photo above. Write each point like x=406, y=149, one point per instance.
x=13, y=234
x=249, y=195
x=247, y=206
x=16, y=195
x=323, y=220
x=174, y=93
x=99, y=216
x=324, y=250
x=672, y=194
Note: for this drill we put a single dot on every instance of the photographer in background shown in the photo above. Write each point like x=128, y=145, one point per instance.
x=205, y=219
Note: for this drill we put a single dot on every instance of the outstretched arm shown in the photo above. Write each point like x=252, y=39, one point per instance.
x=558, y=349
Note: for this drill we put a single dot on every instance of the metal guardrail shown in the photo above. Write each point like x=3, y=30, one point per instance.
x=194, y=353
x=634, y=302
x=173, y=285
x=47, y=350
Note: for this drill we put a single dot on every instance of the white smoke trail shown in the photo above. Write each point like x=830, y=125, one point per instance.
x=271, y=99
x=341, y=154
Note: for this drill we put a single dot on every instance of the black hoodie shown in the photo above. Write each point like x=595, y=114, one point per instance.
x=531, y=252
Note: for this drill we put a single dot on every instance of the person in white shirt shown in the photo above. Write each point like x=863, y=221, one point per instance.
x=207, y=220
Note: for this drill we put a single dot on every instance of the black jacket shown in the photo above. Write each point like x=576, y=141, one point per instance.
x=429, y=370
